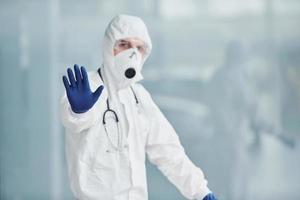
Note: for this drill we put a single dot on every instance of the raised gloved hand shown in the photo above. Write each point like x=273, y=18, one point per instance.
x=79, y=94
x=210, y=196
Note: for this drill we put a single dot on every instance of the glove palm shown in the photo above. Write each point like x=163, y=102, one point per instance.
x=79, y=94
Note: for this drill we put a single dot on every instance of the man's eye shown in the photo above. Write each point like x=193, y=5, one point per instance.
x=141, y=48
x=122, y=44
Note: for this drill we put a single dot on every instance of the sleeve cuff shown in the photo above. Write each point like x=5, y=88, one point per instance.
x=202, y=194
x=80, y=115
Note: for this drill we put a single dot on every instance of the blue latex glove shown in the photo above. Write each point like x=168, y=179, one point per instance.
x=79, y=94
x=210, y=196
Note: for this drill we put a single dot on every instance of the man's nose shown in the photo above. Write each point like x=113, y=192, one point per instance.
x=133, y=54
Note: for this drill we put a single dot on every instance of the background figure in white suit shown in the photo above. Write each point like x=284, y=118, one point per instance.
x=109, y=131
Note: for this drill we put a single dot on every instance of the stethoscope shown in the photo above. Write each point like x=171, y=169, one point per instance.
x=109, y=110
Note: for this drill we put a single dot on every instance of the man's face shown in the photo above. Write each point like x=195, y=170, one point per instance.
x=127, y=43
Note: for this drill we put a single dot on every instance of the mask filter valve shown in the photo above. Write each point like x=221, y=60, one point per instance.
x=130, y=73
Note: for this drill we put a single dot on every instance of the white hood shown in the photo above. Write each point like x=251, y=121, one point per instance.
x=121, y=26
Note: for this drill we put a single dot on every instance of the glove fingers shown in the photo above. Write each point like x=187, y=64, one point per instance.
x=66, y=83
x=85, y=79
x=71, y=77
x=78, y=76
x=98, y=92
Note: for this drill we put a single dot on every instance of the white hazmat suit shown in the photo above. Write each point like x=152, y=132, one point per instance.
x=96, y=172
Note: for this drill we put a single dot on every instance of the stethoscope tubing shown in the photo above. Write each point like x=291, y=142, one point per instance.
x=108, y=109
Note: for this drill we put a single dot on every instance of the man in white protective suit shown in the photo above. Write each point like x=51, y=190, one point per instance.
x=110, y=131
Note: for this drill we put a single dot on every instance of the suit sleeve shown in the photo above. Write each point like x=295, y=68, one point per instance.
x=166, y=152
x=75, y=122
